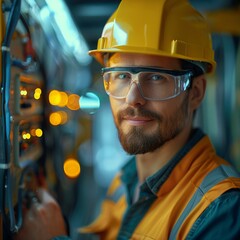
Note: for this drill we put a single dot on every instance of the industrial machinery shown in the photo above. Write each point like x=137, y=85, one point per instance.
x=27, y=27
x=21, y=117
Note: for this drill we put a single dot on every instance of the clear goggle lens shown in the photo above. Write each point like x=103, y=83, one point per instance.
x=153, y=83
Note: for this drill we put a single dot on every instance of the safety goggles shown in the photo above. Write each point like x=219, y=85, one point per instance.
x=153, y=83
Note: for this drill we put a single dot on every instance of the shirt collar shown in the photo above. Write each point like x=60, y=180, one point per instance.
x=154, y=182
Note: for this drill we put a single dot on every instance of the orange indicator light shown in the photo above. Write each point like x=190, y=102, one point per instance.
x=71, y=168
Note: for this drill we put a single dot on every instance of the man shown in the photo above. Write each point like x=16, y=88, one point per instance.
x=155, y=56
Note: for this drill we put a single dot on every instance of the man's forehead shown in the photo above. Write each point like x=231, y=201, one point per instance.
x=135, y=59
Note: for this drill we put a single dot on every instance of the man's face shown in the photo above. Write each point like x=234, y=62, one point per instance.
x=144, y=125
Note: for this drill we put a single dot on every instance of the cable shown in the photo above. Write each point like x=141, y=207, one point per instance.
x=13, y=18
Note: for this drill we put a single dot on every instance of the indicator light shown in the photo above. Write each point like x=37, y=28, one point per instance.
x=71, y=168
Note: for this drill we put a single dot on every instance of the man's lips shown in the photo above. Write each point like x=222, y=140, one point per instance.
x=137, y=120
x=137, y=117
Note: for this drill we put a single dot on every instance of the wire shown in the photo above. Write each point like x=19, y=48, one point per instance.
x=13, y=18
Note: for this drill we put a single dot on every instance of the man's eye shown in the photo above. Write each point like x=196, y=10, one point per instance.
x=156, y=77
x=122, y=76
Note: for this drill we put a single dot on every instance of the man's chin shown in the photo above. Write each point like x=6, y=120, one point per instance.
x=139, y=131
x=139, y=143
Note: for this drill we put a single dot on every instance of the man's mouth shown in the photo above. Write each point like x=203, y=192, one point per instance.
x=139, y=117
x=137, y=120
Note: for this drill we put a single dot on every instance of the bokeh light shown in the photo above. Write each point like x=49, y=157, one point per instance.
x=58, y=118
x=54, y=97
x=63, y=99
x=37, y=93
x=71, y=168
x=73, y=102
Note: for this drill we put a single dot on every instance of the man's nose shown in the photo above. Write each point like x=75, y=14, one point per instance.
x=134, y=96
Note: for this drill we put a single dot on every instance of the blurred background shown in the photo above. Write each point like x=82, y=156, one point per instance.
x=74, y=137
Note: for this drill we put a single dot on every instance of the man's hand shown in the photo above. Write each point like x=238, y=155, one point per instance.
x=43, y=220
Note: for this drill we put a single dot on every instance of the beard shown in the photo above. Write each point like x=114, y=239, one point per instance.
x=138, y=141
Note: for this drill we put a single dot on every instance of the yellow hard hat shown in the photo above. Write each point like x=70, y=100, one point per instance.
x=171, y=28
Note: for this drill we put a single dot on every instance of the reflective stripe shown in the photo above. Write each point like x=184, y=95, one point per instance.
x=120, y=191
x=213, y=178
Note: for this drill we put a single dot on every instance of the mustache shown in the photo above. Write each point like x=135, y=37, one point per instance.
x=140, y=112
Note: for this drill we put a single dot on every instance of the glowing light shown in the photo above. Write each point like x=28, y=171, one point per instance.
x=71, y=168
x=37, y=96
x=63, y=99
x=55, y=119
x=54, y=97
x=58, y=118
x=39, y=132
x=73, y=102
x=32, y=131
x=26, y=135
x=23, y=92
x=38, y=90
x=37, y=93
x=58, y=98
x=89, y=102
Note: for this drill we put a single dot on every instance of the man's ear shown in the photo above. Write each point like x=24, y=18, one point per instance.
x=197, y=91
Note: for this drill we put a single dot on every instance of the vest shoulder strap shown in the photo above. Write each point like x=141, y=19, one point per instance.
x=213, y=178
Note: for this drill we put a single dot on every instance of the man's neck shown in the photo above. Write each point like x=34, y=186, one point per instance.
x=149, y=163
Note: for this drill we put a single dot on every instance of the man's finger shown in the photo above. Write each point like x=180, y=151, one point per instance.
x=44, y=196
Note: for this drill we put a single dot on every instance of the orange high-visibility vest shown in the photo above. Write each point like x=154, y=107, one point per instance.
x=195, y=182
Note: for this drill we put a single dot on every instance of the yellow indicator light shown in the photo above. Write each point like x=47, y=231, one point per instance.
x=58, y=98
x=58, y=118
x=38, y=90
x=71, y=168
x=54, y=97
x=39, y=132
x=26, y=135
x=55, y=119
x=36, y=132
x=23, y=92
x=37, y=96
x=37, y=93
x=63, y=99
x=73, y=102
